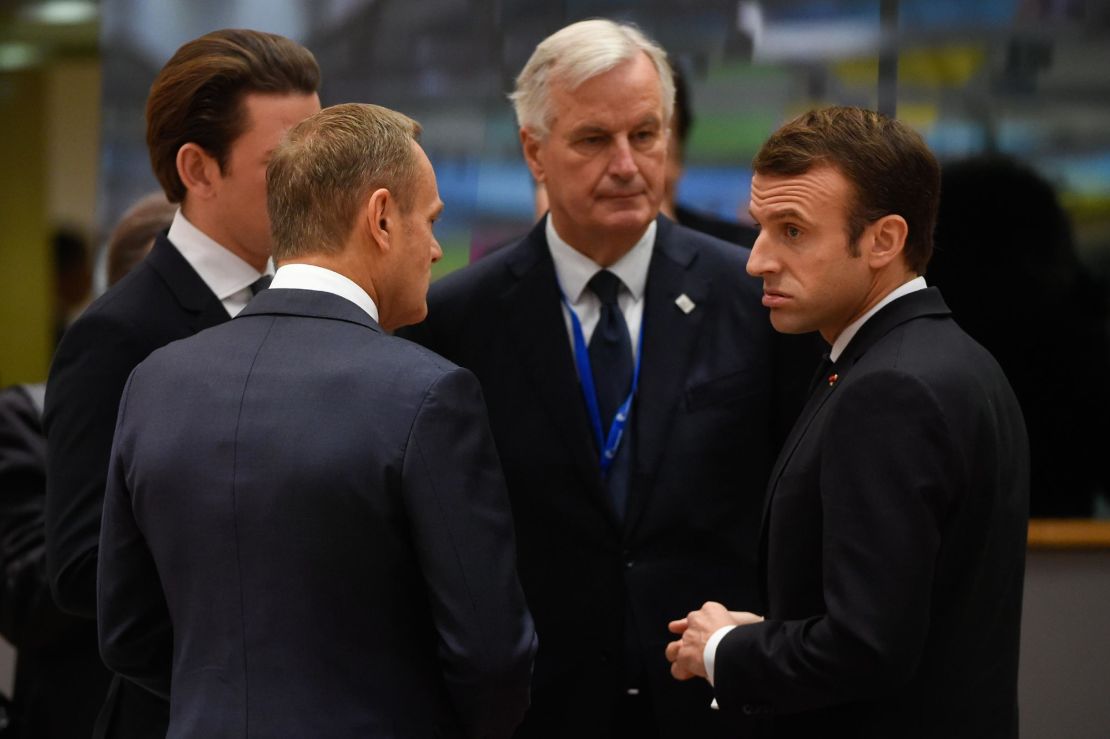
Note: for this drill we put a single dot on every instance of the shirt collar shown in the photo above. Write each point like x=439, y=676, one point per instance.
x=841, y=343
x=223, y=272
x=574, y=269
x=311, y=277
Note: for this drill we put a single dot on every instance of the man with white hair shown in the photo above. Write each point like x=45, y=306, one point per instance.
x=631, y=382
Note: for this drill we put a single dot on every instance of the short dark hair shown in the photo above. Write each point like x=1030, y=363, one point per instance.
x=890, y=168
x=326, y=168
x=198, y=95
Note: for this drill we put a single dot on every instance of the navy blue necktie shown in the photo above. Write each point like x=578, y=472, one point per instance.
x=610, y=349
x=261, y=284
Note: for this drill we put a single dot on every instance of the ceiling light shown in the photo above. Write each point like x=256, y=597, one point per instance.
x=60, y=12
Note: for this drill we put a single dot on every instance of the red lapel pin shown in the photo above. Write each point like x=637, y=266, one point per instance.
x=833, y=378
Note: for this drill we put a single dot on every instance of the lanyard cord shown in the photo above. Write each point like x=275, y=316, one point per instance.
x=608, y=443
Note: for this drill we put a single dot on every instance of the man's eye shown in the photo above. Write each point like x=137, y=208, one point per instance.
x=792, y=232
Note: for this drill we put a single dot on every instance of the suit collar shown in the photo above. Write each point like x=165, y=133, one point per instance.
x=309, y=304
x=927, y=302
x=532, y=307
x=670, y=337
x=187, y=287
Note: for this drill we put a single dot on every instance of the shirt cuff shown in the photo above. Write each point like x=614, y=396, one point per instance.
x=709, y=656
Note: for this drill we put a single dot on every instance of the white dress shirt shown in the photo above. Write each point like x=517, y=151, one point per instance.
x=709, y=655
x=573, y=270
x=311, y=277
x=225, y=274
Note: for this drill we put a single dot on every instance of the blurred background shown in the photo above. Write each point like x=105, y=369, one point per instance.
x=1012, y=95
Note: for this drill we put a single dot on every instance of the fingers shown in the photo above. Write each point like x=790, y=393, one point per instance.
x=677, y=627
x=678, y=661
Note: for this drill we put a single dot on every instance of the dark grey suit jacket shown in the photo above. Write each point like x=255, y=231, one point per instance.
x=894, y=543
x=704, y=436
x=306, y=533
x=161, y=300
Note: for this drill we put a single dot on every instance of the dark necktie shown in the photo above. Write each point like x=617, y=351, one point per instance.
x=610, y=349
x=261, y=284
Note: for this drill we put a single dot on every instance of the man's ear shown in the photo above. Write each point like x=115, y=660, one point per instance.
x=380, y=217
x=530, y=144
x=885, y=240
x=199, y=171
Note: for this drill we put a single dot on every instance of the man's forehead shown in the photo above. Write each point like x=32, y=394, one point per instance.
x=812, y=188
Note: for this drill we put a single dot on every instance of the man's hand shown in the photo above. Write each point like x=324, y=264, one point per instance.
x=686, y=655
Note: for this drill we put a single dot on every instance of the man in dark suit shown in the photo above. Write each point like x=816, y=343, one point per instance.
x=215, y=110
x=672, y=344
x=319, y=544
x=894, y=533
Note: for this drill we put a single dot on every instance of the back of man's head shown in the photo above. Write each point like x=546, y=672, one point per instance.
x=198, y=95
x=320, y=176
x=890, y=168
x=576, y=53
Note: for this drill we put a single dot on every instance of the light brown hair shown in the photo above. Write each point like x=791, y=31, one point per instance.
x=135, y=232
x=326, y=168
x=198, y=95
x=890, y=168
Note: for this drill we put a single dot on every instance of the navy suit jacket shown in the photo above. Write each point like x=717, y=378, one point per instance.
x=894, y=542
x=306, y=533
x=163, y=299
x=704, y=435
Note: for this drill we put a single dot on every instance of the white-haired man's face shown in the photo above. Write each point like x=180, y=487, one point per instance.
x=602, y=162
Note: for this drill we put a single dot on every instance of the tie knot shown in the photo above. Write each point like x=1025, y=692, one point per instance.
x=604, y=285
x=261, y=284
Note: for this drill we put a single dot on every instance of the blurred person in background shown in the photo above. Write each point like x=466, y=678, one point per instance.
x=60, y=680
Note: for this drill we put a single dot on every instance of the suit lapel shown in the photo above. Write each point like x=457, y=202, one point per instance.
x=537, y=330
x=193, y=295
x=915, y=305
x=669, y=338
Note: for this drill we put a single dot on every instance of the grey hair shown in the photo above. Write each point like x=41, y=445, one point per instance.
x=327, y=166
x=579, y=52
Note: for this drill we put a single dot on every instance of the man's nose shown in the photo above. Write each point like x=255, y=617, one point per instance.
x=759, y=261
x=622, y=164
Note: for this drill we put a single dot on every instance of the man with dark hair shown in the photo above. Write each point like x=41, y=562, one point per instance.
x=634, y=491
x=893, y=538
x=358, y=580
x=215, y=111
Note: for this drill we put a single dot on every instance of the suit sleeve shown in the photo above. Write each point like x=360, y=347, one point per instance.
x=82, y=398
x=459, y=511
x=133, y=622
x=887, y=473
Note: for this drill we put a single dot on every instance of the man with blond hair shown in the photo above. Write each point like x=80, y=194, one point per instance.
x=630, y=375
x=320, y=544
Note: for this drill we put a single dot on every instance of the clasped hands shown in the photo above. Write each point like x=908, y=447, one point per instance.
x=686, y=654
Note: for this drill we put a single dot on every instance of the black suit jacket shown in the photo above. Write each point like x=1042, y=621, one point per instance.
x=703, y=422
x=60, y=681
x=318, y=544
x=895, y=543
x=161, y=300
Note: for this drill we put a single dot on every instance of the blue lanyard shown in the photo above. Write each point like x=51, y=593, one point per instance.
x=612, y=441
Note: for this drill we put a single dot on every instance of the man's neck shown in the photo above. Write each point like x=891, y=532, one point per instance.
x=605, y=249
x=211, y=227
